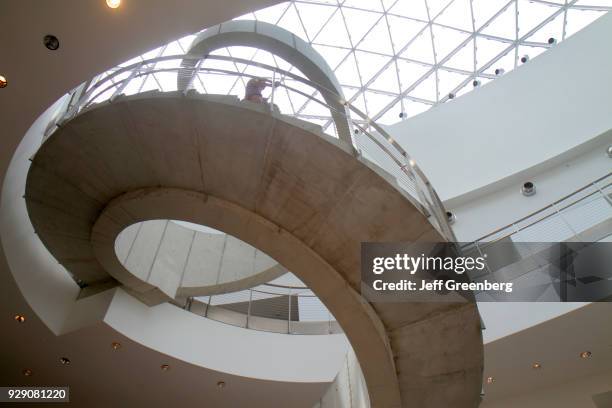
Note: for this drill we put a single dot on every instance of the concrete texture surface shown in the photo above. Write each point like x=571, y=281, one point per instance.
x=275, y=183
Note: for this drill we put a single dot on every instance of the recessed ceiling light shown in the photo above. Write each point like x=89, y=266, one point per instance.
x=27, y=372
x=65, y=361
x=115, y=345
x=51, y=42
x=3, y=81
x=490, y=380
x=164, y=367
x=537, y=365
x=586, y=354
x=19, y=318
x=221, y=384
x=608, y=150
x=113, y=3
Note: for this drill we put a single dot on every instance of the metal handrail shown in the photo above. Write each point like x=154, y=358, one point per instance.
x=427, y=200
x=547, y=207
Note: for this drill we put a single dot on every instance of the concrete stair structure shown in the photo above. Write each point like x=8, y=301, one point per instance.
x=279, y=185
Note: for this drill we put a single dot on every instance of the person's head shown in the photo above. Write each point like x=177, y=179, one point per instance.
x=259, y=83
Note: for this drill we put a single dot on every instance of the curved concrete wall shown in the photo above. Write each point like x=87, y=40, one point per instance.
x=296, y=194
x=53, y=296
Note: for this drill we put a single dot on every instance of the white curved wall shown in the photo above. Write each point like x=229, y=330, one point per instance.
x=554, y=103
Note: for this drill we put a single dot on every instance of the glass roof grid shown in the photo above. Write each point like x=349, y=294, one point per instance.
x=386, y=53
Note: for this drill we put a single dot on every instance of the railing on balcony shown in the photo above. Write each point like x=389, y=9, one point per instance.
x=269, y=307
x=368, y=138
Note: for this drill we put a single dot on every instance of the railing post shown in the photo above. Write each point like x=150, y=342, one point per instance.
x=273, y=91
x=289, y=317
x=249, y=308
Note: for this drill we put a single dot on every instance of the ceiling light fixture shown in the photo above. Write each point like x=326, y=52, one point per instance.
x=51, y=42
x=27, y=372
x=115, y=345
x=65, y=361
x=490, y=380
x=537, y=366
x=221, y=385
x=3, y=81
x=19, y=318
x=113, y=3
x=586, y=354
x=609, y=151
x=164, y=367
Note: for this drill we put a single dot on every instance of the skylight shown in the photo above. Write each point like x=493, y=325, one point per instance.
x=394, y=58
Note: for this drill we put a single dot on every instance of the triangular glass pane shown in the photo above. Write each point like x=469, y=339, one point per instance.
x=486, y=50
x=447, y=40
x=420, y=49
x=463, y=59
x=359, y=103
x=552, y=29
x=349, y=92
x=531, y=14
x=359, y=22
x=377, y=40
x=271, y=14
x=484, y=10
x=448, y=81
x=505, y=63
x=334, y=33
x=370, y=64
x=457, y=15
x=291, y=22
x=426, y=89
x=218, y=84
x=413, y=9
x=532, y=52
x=377, y=102
x=315, y=109
x=410, y=72
x=392, y=116
x=364, y=4
x=504, y=25
x=436, y=7
x=578, y=19
x=598, y=3
x=347, y=72
x=150, y=84
x=413, y=108
x=167, y=80
x=282, y=100
x=314, y=16
x=332, y=55
x=387, y=80
x=403, y=30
